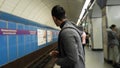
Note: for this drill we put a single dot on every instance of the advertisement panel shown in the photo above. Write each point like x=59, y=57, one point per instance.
x=41, y=34
x=49, y=36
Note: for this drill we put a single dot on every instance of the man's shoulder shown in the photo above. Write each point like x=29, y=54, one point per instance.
x=67, y=30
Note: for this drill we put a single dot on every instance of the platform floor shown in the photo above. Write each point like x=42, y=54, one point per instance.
x=94, y=59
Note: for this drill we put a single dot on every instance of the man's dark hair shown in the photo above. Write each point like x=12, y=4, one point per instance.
x=58, y=12
x=112, y=26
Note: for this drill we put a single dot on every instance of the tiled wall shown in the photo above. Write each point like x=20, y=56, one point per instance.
x=14, y=45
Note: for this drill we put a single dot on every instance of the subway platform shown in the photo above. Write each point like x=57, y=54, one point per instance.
x=94, y=59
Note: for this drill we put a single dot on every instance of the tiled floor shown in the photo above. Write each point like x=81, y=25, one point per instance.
x=94, y=59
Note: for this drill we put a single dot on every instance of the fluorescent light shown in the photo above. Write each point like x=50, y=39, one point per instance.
x=84, y=7
x=92, y=5
x=83, y=10
x=78, y=21
x=85, y=15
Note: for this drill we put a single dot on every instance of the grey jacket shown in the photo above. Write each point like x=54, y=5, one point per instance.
x=71, y=54
x=112, y=38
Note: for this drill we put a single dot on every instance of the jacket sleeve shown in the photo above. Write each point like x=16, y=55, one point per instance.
x=68, y=42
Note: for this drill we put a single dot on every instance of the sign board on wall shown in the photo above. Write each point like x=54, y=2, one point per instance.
x=49, y=36
x=41, y=35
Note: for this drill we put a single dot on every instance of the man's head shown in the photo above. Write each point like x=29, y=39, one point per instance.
x=113, y=26
x=58, y=14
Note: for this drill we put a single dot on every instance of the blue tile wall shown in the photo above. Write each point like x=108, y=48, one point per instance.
x=3, y=24
x=3, y=45
x=30, y=40
x=35, y=40
x=20, y=41
x=12, y=42
x=27, y=41
x=16, y=46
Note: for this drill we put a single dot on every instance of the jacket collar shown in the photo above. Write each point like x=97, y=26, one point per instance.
x=61, y=26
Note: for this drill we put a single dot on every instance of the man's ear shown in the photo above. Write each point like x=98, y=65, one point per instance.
x=54, y=18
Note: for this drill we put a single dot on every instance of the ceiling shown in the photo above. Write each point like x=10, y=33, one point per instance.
x=40, y=10
x=72, y=7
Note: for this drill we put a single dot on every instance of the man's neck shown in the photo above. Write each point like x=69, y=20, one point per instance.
x=63, y=23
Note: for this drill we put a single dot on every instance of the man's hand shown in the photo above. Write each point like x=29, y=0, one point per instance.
x=53, y=53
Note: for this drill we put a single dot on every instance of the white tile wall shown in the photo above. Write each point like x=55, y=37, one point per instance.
x=1, y=2
x=97, y=33
x=21, y=7
x=28, y=9
x=97, y=12
x=113, y=15
x=9, y=5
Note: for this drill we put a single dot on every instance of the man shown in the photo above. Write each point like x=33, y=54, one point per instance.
x=113, y=44
x=70, y=53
